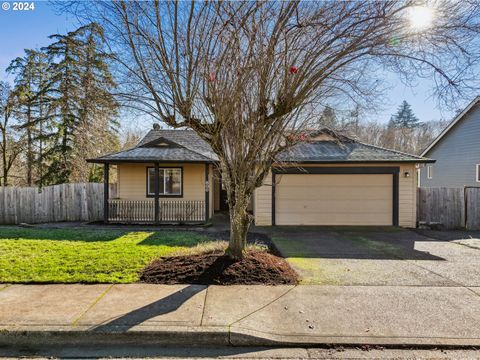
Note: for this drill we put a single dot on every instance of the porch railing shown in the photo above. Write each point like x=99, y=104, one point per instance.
x=143, y=211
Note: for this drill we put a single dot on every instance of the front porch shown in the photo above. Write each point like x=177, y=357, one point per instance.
x=157, y=193
x=167, y=178
x=143, y=211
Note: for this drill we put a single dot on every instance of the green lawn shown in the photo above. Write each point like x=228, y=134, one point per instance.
x=89, y=256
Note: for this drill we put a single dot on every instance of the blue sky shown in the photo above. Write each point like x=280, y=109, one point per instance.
x=30, y=29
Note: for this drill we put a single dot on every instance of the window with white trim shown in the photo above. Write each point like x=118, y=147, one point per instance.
x=429, y=171
x=477, y=177
x=169, y=181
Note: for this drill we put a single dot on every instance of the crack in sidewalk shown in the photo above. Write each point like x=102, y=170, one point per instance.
x=95, y=302
x=4, y=287
x=204, y=305
x=255, y=311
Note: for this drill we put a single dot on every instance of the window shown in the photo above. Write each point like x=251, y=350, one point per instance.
x=478, y=173
x=429, y=171
x=169, y=181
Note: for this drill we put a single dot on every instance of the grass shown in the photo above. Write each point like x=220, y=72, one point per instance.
x=290, y=247
x=89, y=256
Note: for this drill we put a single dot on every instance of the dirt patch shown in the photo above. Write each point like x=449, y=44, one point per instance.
x=257, y=267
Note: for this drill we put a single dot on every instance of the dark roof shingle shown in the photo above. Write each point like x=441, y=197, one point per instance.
x=350, y=151
x=187, y=146
x=155, y=154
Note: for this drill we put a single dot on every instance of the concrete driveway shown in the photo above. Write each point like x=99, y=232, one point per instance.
x=381, y=256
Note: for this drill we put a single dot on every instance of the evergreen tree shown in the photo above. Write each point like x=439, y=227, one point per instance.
x=31, y=99
x=328, y=118
x=66, y=83
x=63, y=107
x=404, y=118
x=98, y=108
x=85, y=107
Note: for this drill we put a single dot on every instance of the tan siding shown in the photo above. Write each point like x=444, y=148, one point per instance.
x=211, y=189
x=263, y=203
x=118, y=181
x=407, y=195
x=132, y=181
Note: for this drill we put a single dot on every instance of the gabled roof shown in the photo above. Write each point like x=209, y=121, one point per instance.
x=454, y=122
x=324, y=146
x=165, y=146
x=186, y=138
x=342, y=149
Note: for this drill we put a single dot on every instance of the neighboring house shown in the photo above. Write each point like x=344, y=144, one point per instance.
x=456, y=151
x=328, y=180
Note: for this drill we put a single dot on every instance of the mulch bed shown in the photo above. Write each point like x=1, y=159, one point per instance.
x=257, y=267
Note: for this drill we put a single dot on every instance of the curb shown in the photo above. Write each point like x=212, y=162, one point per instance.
x=208, y=336
x=247, y=337
x=68, y=337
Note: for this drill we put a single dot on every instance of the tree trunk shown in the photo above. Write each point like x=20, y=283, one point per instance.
x=29, y=146
x=4, y=155
x=239, y=224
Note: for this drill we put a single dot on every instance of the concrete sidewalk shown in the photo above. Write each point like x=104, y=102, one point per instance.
x=239, y=315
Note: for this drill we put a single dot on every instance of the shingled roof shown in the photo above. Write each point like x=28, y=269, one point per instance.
x=187, y=146
x=349, y=151
x=165, y=146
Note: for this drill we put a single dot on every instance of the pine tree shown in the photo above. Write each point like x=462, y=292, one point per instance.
x=328, y=118
x=85, y=107
x=404, y=118
x=98, y=108
x=31, y=93
x=66, y=83
x=46, y=113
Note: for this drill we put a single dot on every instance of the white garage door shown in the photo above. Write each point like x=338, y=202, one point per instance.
x=332, y=199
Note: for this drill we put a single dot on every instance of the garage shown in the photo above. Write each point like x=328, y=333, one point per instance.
x=332, y=179
x=352, y=198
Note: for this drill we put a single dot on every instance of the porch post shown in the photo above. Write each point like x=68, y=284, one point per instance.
x=207, y=193
x=157, y=191
x=106, y=189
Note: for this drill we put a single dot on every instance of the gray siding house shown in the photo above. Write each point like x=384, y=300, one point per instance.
x=456, y=151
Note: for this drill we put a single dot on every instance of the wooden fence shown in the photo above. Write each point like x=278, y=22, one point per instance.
x=64, y=202
x=450, y=208
x=472, y=208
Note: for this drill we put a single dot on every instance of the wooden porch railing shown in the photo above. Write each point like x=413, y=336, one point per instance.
x=143, y=211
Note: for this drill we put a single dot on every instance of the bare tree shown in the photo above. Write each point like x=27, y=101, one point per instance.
x=10, y=146
x=246, y=75
x=412, y=141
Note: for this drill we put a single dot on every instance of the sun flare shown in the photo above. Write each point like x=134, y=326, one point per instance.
x=420, y=17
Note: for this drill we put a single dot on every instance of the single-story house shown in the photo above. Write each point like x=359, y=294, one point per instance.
x=456, y=151
x=171, y=177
